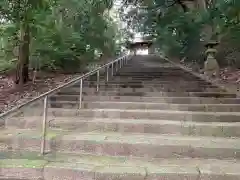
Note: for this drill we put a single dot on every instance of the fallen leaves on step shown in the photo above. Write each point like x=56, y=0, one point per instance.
x=228, y=76
x=12, y=95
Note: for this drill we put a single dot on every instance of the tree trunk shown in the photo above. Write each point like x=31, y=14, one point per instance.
x=22, y=75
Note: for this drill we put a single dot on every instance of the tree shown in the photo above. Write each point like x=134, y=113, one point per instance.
x=56, y=34
x=21, y=13
x=181, y=27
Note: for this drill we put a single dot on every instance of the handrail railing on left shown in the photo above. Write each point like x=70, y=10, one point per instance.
x=118, y=63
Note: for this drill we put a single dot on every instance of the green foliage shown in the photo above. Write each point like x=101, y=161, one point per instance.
x=65, y=34
x=182, y=31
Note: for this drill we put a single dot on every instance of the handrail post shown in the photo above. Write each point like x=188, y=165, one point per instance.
x=116, y=65
x=98, y=74
x=107, y=74
x=45, y=109
x=120, y=63
x=112, y=68
x=80, y=93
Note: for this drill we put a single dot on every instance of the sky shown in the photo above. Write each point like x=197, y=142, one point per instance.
x=115, y=14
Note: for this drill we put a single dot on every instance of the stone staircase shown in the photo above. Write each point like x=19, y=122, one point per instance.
x=151, y=121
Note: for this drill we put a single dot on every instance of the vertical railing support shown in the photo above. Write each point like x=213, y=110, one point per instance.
x=116, y=65
x=44, y=124
x=98, y=74
x=80, y=93
x=112, y=69
x=107, y=74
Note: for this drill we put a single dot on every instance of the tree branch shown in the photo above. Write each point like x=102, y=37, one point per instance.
x=184, y=7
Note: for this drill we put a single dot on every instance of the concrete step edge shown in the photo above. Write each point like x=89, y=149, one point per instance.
x=131, y=121
x=151, y=139
x=154, y=97
x=147, y=103
x=129, y=138
x=133, y=144
x=180, y=169
x=148, y=111
x=215, y=129
x=112, y=90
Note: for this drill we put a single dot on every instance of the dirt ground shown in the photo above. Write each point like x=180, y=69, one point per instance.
x=12, y=95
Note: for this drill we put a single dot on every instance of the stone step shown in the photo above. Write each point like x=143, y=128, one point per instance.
x=141, y=114
x=159, y=78
x=147, y=92
x=152, y=82
x=147, y=73
x=87, y=166
x=163, y=86
x=160, y=106
x=161, y=67
x=162, y=89
x=147, y=105
x=104, y=89
x=116, y=89
x=152, y=71
x=216, y=129
x=160, y=73
x=146, y=83
x=150, y=146
x=129, y=135
x=16, y=140
x=142, y=68
x=128, y=144
x=142, y=71
x=138, y=66
x=139, y=98
x=189, y=89
x=177, y=78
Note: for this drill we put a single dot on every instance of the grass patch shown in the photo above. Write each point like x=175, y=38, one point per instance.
x=22, y=163
x=38, y=135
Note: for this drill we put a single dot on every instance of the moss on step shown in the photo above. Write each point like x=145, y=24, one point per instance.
x=21, y=155
x=22, y=163
x=36, y=135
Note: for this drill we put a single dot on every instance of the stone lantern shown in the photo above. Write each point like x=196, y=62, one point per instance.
x=211, y=67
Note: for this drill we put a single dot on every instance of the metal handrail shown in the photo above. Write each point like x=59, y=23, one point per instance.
x=73, y=81
x=119, y=62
